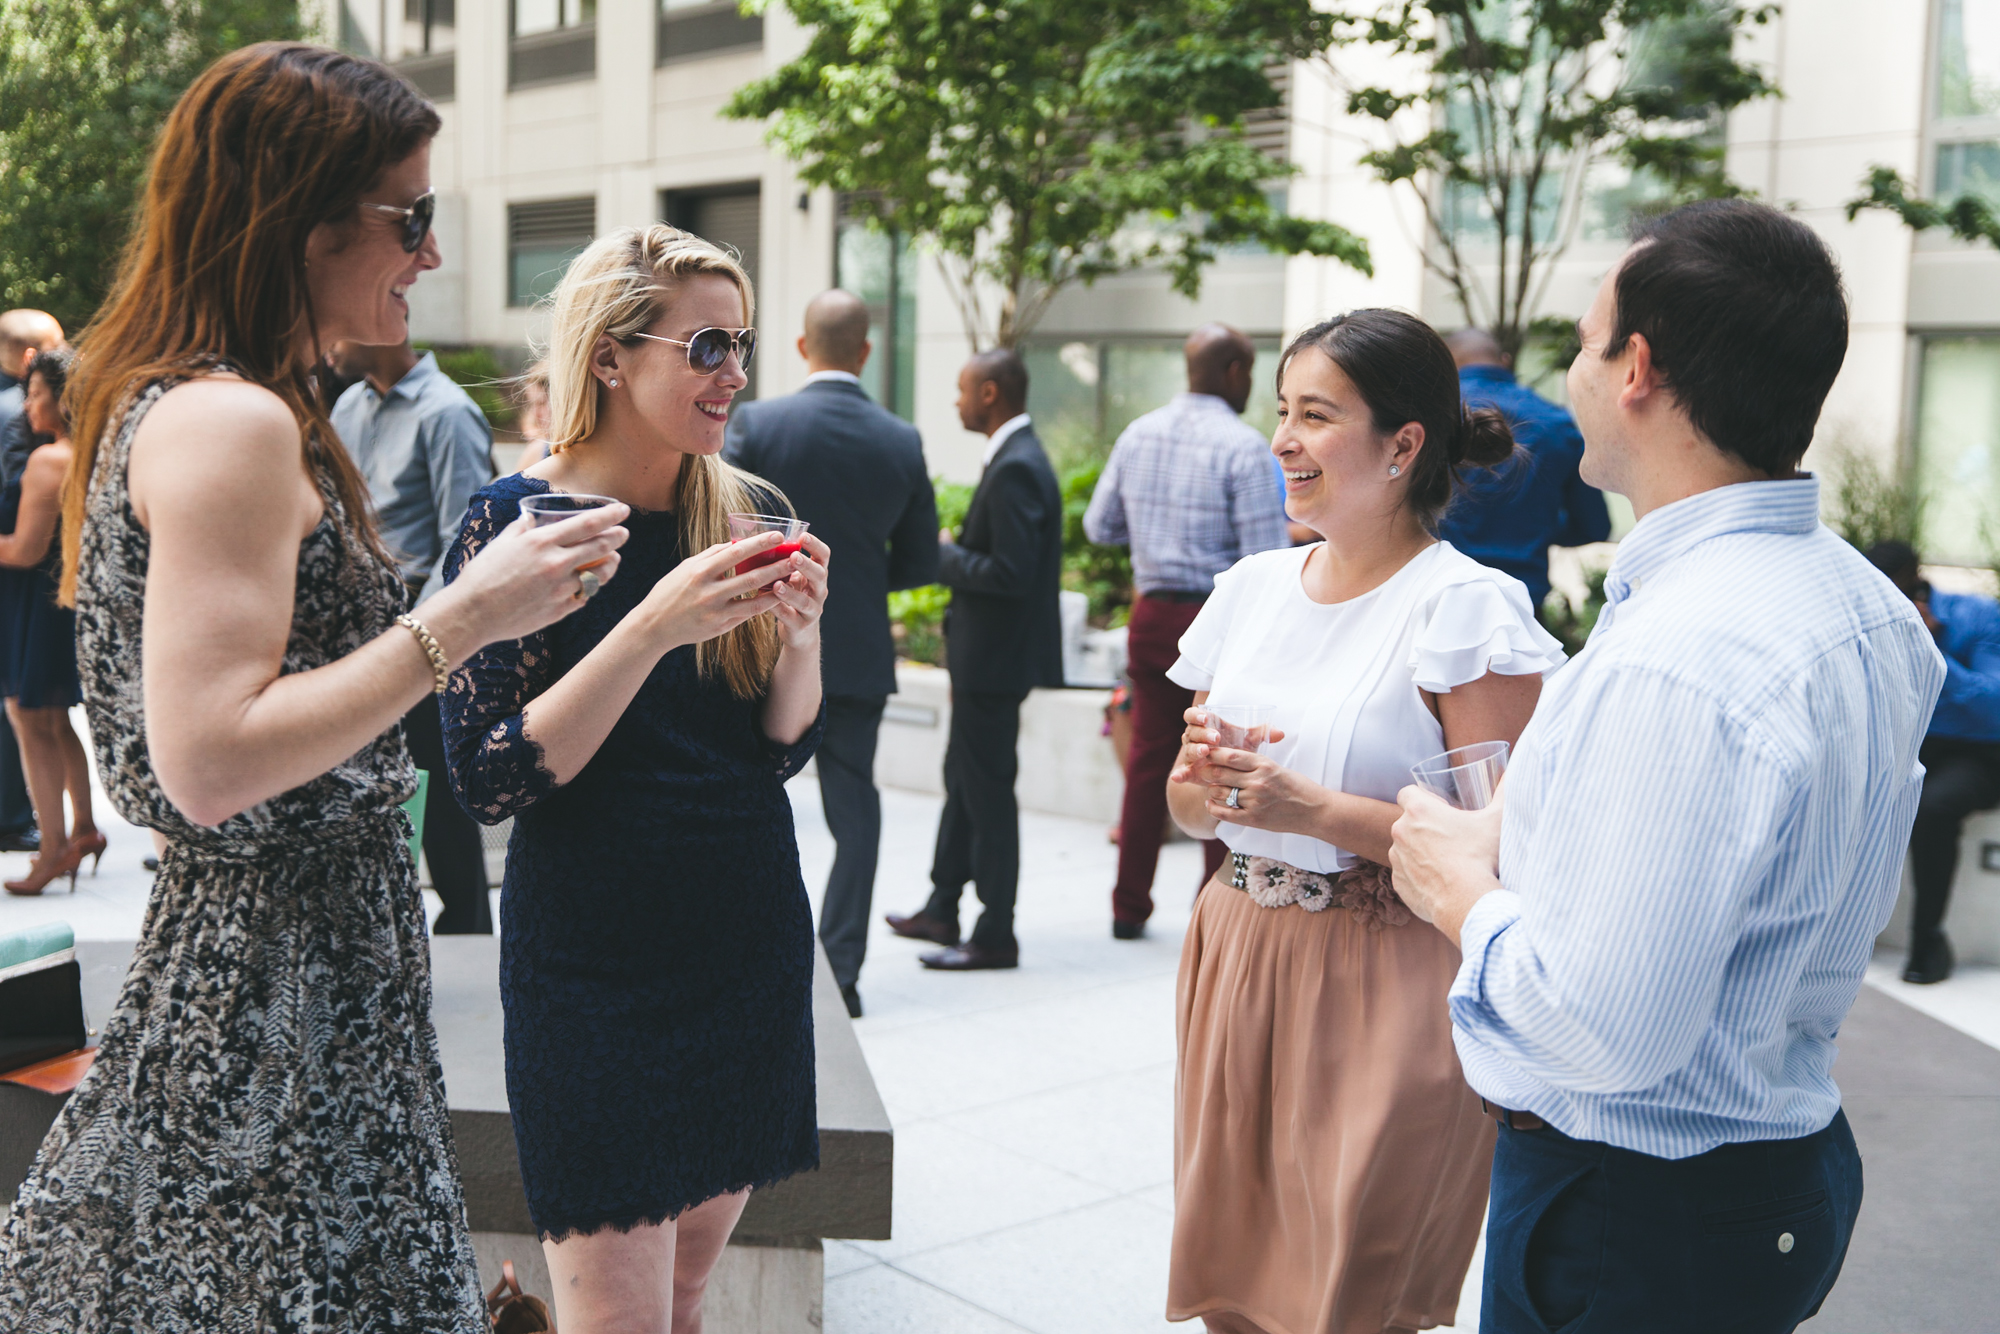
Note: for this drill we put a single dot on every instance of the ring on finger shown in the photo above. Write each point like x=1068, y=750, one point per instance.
x=1234, y=801
x=587, y=584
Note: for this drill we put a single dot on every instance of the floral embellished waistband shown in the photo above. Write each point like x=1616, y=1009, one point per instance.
x=1364, y=889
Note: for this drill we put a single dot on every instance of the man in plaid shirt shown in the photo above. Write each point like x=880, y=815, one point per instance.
x=1192, y=489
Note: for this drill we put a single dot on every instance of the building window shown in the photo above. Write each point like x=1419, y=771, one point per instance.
x=1083, y=392
x=536, y=16
x=729, y=216
x=542, y=238
x=880, y=267
x=429, y=26
x=690, y=28
x=554, y=41
x=1958, y=448
x=1965, y=130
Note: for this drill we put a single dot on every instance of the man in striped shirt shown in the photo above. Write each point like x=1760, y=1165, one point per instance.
x=1703, y=825
x=1193, y=489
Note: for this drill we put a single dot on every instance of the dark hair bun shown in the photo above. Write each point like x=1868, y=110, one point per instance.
x=1483, y=439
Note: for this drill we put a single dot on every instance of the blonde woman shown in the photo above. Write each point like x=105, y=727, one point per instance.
x=656, y=943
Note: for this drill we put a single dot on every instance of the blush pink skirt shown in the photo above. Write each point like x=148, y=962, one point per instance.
x=1330, y=1163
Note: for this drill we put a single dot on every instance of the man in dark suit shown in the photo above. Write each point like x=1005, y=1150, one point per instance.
x=855, y=472
x=1003, y=637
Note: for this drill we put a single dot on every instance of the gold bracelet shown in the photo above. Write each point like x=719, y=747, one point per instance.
x=429, y=644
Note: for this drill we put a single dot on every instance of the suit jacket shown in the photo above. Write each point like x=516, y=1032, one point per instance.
x=855, y=472
x=1003, y=632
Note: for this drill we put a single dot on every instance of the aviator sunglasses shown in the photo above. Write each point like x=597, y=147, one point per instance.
x=416, y=218
x=709, y=348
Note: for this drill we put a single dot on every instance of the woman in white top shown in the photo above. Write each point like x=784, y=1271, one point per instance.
x=1331, y=1163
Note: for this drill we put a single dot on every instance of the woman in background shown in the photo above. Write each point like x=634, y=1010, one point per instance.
x=42, y=685
x=1330, y=1162
x=656, y=947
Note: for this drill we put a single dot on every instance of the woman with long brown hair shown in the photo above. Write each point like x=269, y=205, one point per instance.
x=656, y=948
x=263, y=1141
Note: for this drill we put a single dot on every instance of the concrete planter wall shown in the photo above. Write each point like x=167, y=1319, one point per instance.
x=1067, y=766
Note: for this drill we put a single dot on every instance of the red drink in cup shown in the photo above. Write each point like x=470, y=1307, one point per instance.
x=791, y=531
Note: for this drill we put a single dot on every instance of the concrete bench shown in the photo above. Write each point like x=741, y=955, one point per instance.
x=770, y=1279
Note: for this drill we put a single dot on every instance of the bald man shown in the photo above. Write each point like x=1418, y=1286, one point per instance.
x=23, y=333
x=856, y=473
x=1192, y=489
x=1508, y=517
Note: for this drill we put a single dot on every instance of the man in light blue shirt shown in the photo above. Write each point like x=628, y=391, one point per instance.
x=423, y=447
x=1703, y=825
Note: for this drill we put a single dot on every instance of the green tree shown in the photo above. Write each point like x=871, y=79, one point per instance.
x=1521, y=99
x=1033, y=144
x=84, y=87
x=1968, y=217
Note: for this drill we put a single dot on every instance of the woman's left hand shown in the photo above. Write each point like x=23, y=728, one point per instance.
x=1268, y=795
x=802, y=595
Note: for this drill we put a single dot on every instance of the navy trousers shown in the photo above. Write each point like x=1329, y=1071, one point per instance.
x=1586, y=1238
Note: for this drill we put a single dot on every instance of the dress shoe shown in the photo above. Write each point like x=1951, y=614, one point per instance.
x=1930, y=960
x=26, y=840
x=1127, y=930
x=922, y=926
x=852, y=997
x=964, y=958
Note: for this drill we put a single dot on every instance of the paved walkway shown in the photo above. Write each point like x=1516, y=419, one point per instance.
x=1033, y=1108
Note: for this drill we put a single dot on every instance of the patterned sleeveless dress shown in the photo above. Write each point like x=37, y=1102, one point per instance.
x=263, y=1142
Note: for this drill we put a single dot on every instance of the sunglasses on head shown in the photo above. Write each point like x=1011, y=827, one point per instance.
x=417, y=218
x=708, y=349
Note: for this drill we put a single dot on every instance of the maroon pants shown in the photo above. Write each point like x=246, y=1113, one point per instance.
x=1157, y=723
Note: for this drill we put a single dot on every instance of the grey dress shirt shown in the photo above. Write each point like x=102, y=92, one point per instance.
x=423, y=450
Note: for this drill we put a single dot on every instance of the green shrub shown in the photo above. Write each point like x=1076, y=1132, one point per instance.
x=1571, y=624
x=479, y=373
x=1871, y=504
x=1104, y=574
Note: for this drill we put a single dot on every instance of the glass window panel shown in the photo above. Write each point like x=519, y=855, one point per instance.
x=535, y=269
x=533, y=16
x=1969, y=58
x=1958, y=444
x=1969, y=169
x=861, y=261
x=904, y=326
x=1062, y=397
x=1139, y=377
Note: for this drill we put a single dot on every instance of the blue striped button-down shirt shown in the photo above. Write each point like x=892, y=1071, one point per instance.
x=1704, y=832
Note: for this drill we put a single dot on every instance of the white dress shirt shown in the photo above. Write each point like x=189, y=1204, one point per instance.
x=1704, y=832
x=840, y=377
x=1000, y=437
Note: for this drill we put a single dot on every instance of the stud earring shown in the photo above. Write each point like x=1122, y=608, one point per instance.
x=614, y=384
x=1394, y=471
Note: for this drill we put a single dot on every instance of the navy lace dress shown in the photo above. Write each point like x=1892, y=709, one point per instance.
x=656, y=948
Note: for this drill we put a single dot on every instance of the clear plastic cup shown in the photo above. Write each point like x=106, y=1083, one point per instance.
x=1240, y=726
x=1467, y=776
x=559, y=505
x=791, y=531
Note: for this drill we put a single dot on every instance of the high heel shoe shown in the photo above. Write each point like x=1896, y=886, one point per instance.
x=45, y=869
x=91, y=845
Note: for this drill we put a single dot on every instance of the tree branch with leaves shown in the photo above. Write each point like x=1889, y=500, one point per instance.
x=1968, y=217
x=84, y=87
x=1519, y=101
x=1037, y=144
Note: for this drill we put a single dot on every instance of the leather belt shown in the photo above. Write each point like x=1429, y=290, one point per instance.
x=1180, y=595
x=1513, y=1120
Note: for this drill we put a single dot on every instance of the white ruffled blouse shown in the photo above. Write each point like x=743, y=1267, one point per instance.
x=1345, y=677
